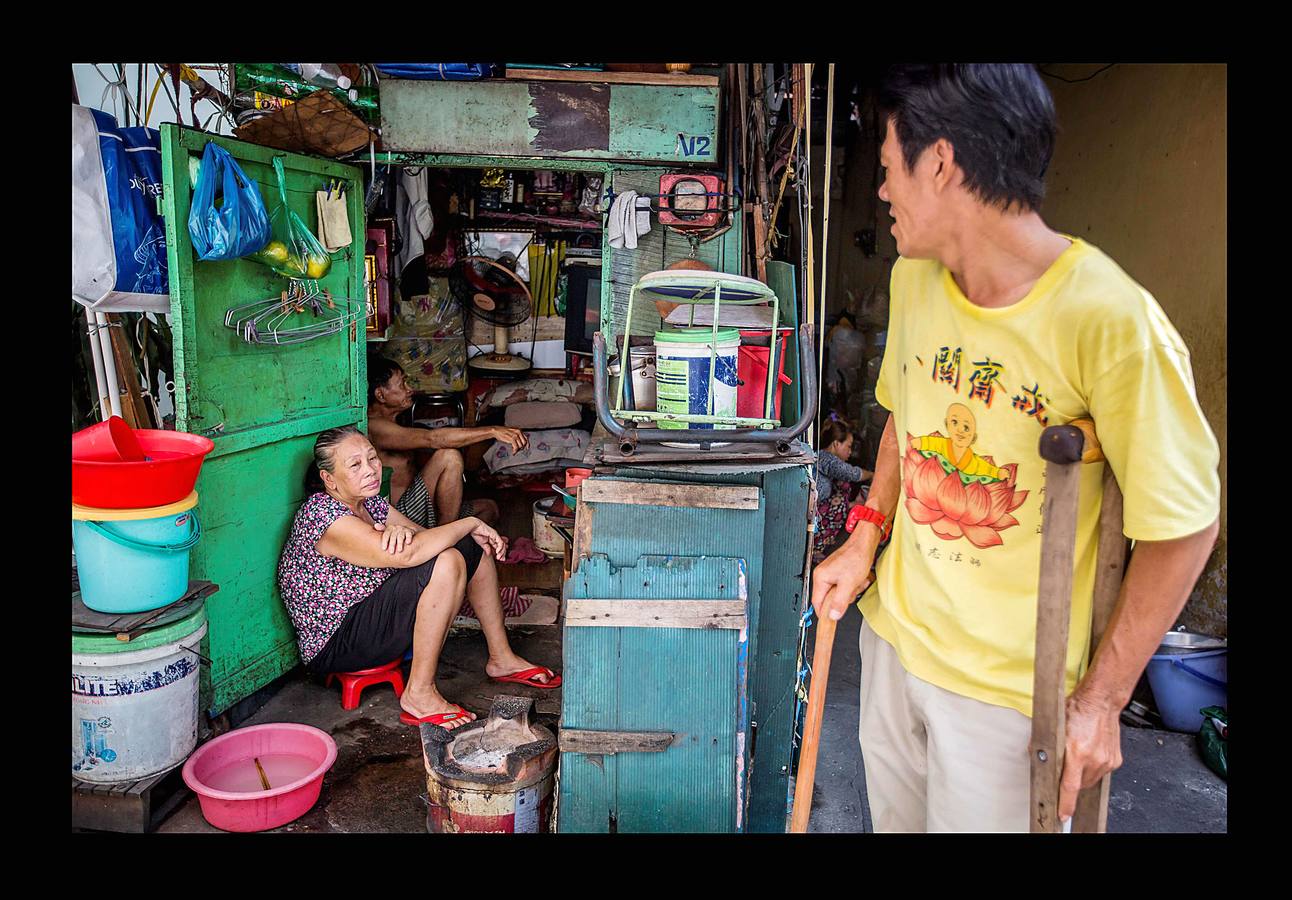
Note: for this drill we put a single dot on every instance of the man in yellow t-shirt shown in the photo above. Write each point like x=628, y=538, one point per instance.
x=998, y=324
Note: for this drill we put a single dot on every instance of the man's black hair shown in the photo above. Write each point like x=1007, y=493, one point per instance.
x=380, y=370
x=998, y=117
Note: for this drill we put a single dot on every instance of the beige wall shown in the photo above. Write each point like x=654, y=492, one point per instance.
x=1140, y=171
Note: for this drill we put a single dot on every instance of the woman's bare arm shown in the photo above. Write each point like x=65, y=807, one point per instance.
x=355, y=541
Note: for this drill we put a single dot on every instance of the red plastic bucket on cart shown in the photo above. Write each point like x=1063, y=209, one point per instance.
x=101, y=480
x=575, y=476
x=751, y=371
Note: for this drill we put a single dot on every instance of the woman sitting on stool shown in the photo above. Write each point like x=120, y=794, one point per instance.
x=362, y=583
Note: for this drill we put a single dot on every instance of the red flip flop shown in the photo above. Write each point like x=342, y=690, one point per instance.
x=439, y=719
x=527, y=677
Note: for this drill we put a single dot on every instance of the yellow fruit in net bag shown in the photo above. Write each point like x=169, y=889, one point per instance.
x=275, y=252
x=317, y=266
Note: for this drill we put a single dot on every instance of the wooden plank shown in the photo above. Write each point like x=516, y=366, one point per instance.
x=656, y=613
x=582, y=545
x=531, y=576
x=1091, y=816
x=698, y=496
x=1054, y=608
x=133, y=410
x=657, y=78
x=136, y=806
x=608, y=743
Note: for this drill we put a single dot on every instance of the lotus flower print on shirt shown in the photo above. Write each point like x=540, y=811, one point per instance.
x=956, y=492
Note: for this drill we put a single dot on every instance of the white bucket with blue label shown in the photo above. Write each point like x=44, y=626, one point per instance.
x=135, y=703
x=682, y=368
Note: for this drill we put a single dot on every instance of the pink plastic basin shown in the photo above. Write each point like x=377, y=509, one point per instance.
x=223, y=774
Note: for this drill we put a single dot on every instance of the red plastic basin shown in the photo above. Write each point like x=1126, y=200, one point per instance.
x=101, y=480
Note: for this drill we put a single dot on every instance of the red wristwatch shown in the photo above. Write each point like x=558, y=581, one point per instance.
x=871, y=515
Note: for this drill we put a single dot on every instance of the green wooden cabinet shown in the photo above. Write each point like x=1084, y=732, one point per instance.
x=262, y=405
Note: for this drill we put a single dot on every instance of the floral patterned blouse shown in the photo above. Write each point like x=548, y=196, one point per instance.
x=318, y=590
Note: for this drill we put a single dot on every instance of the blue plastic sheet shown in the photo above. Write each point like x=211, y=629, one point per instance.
x=235, y=226
x=437, y=71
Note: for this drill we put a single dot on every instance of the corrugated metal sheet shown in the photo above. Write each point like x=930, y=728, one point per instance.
x=644, y=679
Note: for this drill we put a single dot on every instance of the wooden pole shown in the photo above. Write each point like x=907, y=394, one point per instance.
x=1065, y=448
x=803, y=784
x=1091, y=816
x=825, y=216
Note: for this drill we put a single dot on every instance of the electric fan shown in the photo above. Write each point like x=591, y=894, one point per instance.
x=495, y=294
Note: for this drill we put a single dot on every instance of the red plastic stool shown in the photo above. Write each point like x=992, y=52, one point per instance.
x=353, y=683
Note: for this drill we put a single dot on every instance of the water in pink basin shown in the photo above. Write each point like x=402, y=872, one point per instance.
x=241, y=776
x=222, y=773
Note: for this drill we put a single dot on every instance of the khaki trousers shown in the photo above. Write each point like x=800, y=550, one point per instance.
x=936, y=761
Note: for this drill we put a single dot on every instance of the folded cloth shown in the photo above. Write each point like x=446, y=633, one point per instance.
x=333, y=219
x=535, y=389
x=543, y=447
x=629, y=218
x=524, y=550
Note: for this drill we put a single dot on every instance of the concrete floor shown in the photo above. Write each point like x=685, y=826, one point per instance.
x=1162, y=786
x=378, y=779
x=379, y=776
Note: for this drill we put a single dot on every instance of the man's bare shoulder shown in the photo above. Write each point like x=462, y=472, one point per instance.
x=380, y=427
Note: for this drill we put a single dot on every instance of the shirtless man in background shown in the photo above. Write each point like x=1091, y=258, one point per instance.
x=432, y=493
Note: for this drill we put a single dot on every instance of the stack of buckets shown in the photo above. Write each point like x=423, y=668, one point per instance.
x=739, y=386
x=134, y=522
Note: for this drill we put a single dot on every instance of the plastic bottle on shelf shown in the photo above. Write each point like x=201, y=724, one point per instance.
x=321, y=74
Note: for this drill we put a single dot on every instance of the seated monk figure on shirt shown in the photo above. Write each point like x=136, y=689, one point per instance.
x=428, y=491
x=958, y=448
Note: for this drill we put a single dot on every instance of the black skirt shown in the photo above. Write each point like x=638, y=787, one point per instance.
x=379, y=628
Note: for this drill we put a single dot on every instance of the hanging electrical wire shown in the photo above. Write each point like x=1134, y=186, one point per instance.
x=1098, y=71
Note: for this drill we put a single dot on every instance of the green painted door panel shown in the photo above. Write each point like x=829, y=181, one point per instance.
x=676, y=125
x=262, y=405
x=645, y=679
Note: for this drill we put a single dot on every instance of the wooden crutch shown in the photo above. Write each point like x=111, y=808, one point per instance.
x=1065, y=448
x=806, y=779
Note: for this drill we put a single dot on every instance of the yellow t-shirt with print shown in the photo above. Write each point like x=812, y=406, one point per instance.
x=955, y=592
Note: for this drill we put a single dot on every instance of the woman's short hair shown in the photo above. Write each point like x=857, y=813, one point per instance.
x=999, y=118
x=325, y=456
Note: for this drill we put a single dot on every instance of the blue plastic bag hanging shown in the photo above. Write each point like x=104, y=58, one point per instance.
x=239, y=225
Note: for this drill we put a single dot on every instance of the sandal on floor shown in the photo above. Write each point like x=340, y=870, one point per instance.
x=527, y=676
x=438, y=719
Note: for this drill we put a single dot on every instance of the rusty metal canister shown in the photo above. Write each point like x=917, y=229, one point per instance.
x=494, y=775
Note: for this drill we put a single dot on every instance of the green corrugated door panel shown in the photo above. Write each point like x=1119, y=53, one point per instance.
x=781, y=279
x=657, y=249
x=772, y=673
x=644, y=679
x=262, y=405
x=676, y=125
x=776, y=595
x=623, y=532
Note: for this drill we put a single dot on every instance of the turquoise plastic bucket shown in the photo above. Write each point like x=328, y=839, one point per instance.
x=1184, y=683
x=134, y=560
